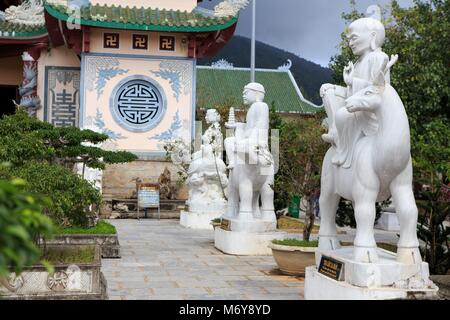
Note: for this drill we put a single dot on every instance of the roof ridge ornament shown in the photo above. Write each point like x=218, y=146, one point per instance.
x=222, y=64
x=29, y=12
x=287, y=66
x=229, y=8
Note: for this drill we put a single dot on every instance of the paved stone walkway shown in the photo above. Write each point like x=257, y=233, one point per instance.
x=162, y=260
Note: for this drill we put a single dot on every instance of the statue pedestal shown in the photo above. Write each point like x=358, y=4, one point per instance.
x=252, y=225
x=199, y=220
x=387, y=279
x=245, y=243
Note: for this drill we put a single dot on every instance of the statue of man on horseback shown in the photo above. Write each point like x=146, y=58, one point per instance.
x=370, y=158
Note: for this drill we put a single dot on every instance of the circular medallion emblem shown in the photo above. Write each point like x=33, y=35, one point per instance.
x=138, y=103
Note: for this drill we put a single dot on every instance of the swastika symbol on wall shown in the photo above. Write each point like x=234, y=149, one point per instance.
x=138, y=105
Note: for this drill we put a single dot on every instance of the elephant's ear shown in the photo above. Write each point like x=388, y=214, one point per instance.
x=380, y=80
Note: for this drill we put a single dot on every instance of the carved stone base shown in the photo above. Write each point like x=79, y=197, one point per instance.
x=252, y=225
x=246, y=244
x=385, y=279
x=320, y=287
x=386, y=272
x=195, y=220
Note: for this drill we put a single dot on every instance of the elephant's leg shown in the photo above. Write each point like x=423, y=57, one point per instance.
x=268, y=210
x=328, y=204
x=405, y=205
x=246, y=200
x=365, y=246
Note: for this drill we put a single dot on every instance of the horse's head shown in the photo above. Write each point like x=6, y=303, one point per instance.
x=369, y=98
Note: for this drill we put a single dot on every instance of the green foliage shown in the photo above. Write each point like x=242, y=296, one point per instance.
x=21, y=225
x=296, y=243
x=301, y=151
x=345, y=215
x=74, y=199
x=432, y=171
x=24, y=138
x=102, y=227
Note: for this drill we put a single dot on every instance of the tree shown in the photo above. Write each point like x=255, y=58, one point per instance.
x=432, y=171
x=301, y=151
x=24, y=138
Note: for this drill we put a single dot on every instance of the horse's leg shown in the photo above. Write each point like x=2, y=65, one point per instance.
x=268, y=209
x=328, y=204
x=365, y=249
x=246, y=199
x=233, y=196
x=405, y=205
x=255, y=205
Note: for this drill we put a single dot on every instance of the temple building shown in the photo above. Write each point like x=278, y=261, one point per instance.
x=126, y=68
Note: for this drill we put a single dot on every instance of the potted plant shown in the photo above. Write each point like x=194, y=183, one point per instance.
x=293, y=256
x=301, y=154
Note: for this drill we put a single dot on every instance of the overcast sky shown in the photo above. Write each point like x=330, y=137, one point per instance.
x=308, y=28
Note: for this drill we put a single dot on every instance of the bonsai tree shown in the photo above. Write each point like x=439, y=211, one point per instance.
x=45, y=156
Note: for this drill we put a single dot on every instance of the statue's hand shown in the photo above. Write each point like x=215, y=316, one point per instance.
x=325, y=87
x=348, y=73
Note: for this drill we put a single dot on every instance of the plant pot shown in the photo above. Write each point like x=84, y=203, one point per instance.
x=293, y=260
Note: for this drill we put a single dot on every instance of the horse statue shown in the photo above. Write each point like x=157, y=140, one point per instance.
x=251, y=163
x=381, y=167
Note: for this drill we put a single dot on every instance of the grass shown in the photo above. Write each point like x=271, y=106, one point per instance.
x=102, y=227
x=296, y=243
x=69, y=255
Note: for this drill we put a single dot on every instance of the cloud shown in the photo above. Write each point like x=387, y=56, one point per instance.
x=309, y=29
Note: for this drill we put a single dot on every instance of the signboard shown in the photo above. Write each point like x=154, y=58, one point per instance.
x=331, y=268
x=225, y=224
x=148, y=197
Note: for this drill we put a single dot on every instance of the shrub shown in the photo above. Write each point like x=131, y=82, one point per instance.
x=74, y=200
x=21, y=225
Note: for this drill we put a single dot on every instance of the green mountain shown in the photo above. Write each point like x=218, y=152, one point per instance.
x=309, y=76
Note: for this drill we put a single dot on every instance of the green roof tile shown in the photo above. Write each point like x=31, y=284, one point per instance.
x=16, y=30
x=144, y=19
x=217, y=86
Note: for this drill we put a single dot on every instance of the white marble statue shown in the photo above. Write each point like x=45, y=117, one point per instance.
x=207, y=179
x=250, y=162
x=370, y=158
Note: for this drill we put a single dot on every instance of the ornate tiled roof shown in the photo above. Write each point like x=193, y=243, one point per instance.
x=151, y=19
x=17, y=30
x=221, y=85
